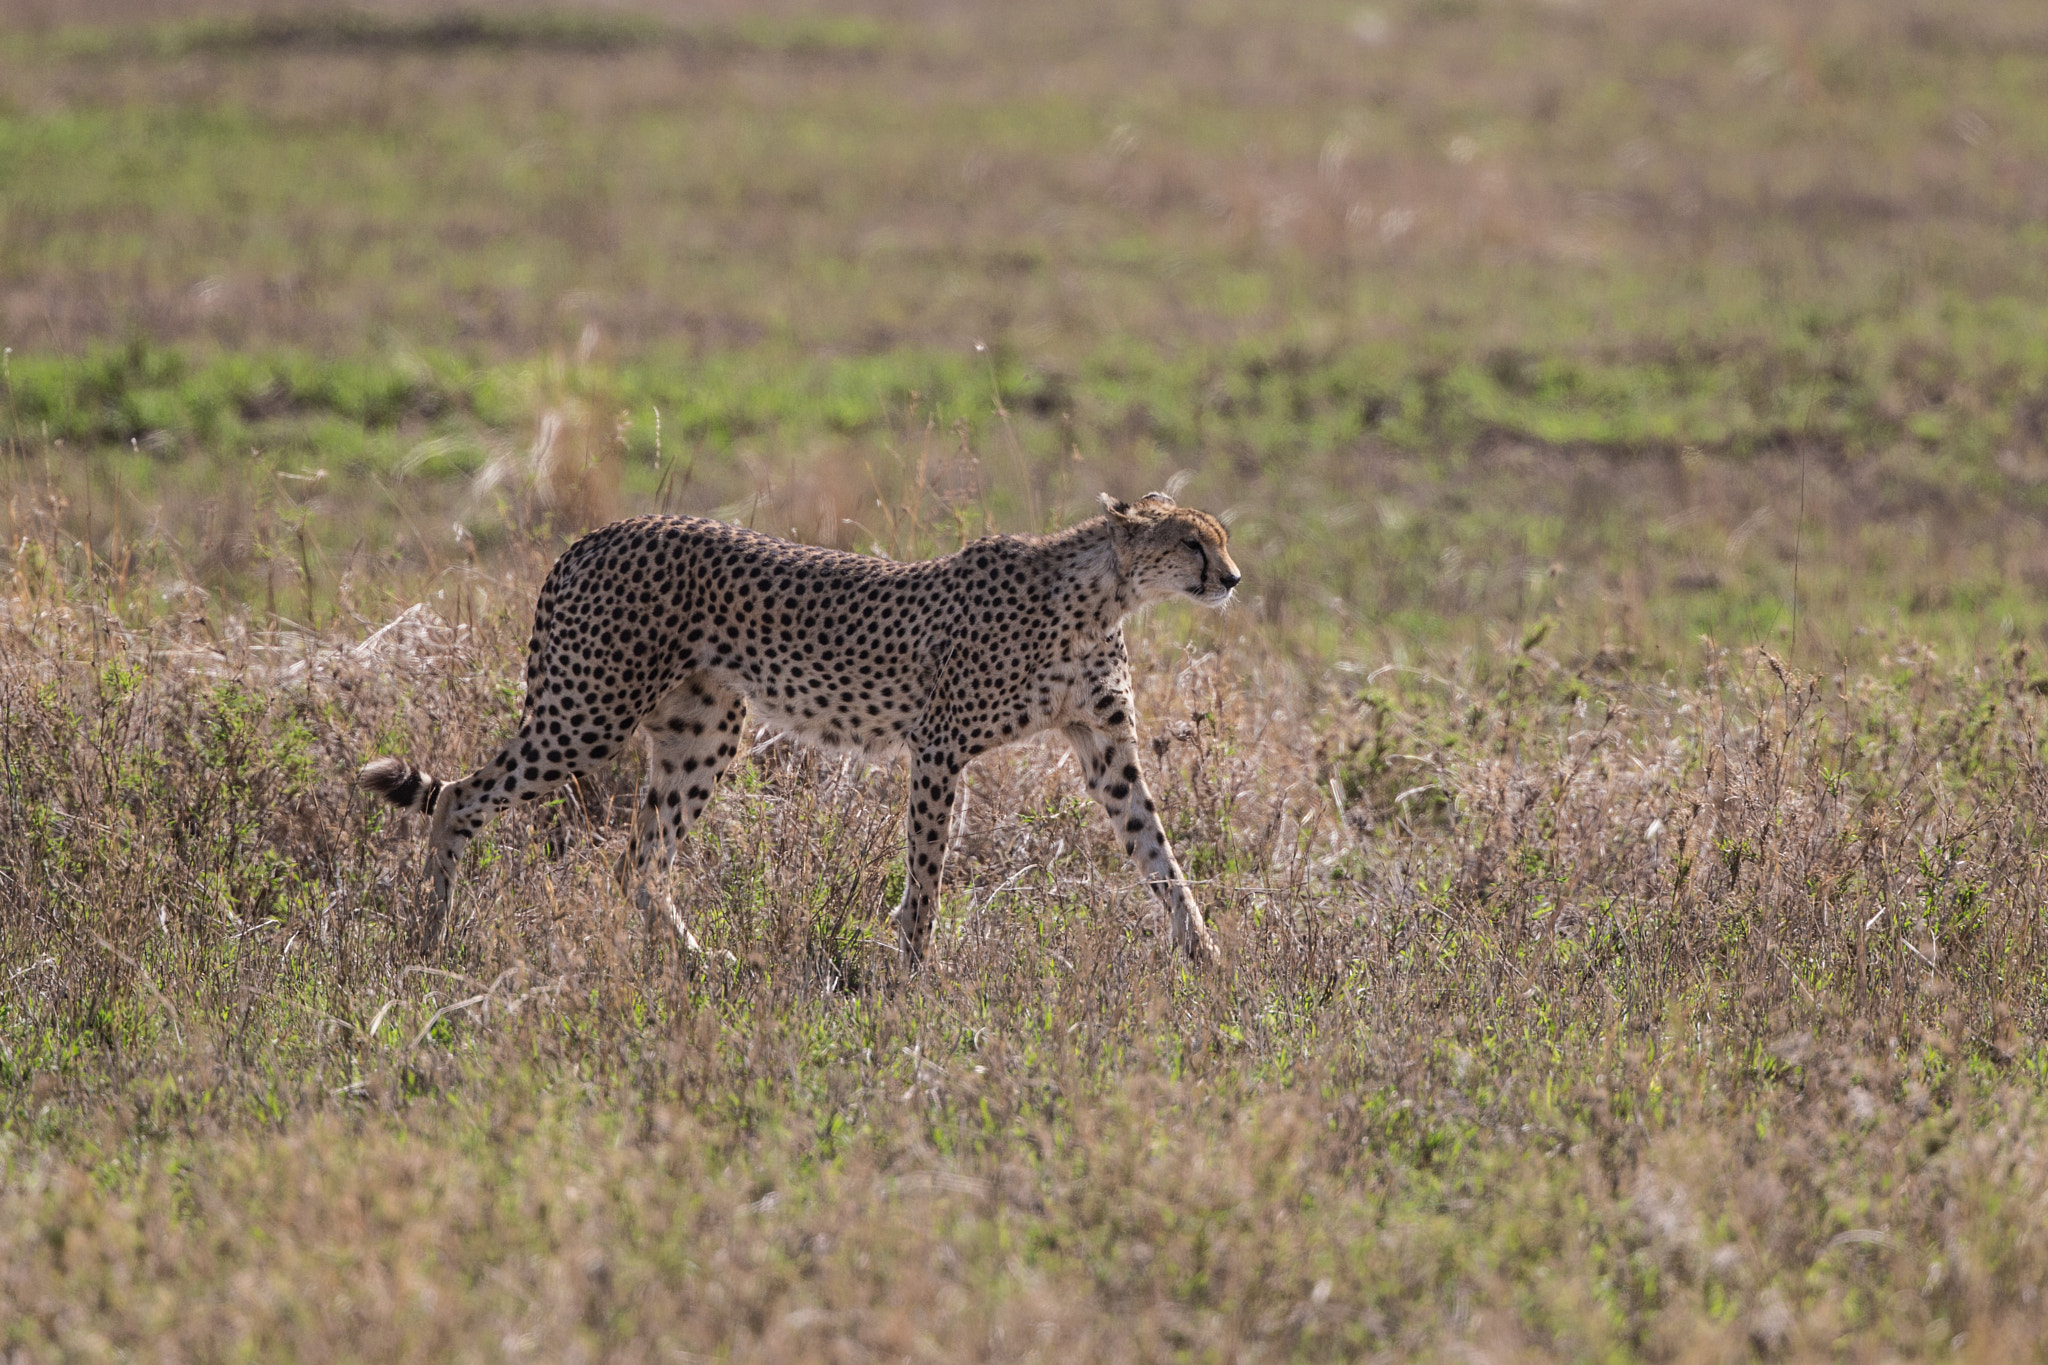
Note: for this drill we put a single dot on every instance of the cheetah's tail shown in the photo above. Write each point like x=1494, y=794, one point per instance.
x=398, y=782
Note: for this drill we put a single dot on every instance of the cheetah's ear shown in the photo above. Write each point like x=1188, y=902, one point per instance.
x=1121, y=511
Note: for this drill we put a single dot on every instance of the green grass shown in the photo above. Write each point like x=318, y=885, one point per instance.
x=1836, y=387
x=1640, y=497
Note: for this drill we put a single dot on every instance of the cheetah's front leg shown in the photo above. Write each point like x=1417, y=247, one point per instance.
x=1109, y=761
x=934, y=786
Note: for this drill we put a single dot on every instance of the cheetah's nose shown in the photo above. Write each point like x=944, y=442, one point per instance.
x=1231, y=580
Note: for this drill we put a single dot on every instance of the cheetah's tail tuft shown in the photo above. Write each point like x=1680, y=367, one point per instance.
x=400, y=783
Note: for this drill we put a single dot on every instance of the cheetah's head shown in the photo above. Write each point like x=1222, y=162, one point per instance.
x=1172, y=550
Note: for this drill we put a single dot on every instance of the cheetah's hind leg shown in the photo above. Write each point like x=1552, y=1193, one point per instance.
x=692, y=735
x=529, y=766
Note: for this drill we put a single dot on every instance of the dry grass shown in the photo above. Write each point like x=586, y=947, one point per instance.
x=1563, y=1018
x=1595, y=990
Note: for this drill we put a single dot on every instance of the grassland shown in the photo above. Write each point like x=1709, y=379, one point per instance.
x=1618, y=794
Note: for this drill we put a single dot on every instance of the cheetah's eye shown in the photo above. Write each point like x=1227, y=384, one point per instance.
x=1192, y=544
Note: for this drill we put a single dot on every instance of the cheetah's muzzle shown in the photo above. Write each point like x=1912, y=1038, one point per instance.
x=678, y=627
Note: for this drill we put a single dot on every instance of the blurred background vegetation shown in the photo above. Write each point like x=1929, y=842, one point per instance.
x=1629, y=314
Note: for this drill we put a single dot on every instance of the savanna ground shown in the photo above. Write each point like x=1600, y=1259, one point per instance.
x=1617, y=792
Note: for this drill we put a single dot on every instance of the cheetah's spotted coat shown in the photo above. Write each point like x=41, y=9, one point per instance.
x=677, y=626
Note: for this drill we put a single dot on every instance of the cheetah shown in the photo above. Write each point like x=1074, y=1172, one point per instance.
x=680, y=626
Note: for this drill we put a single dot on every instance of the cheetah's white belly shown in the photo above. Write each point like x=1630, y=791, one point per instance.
x=877, y=738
